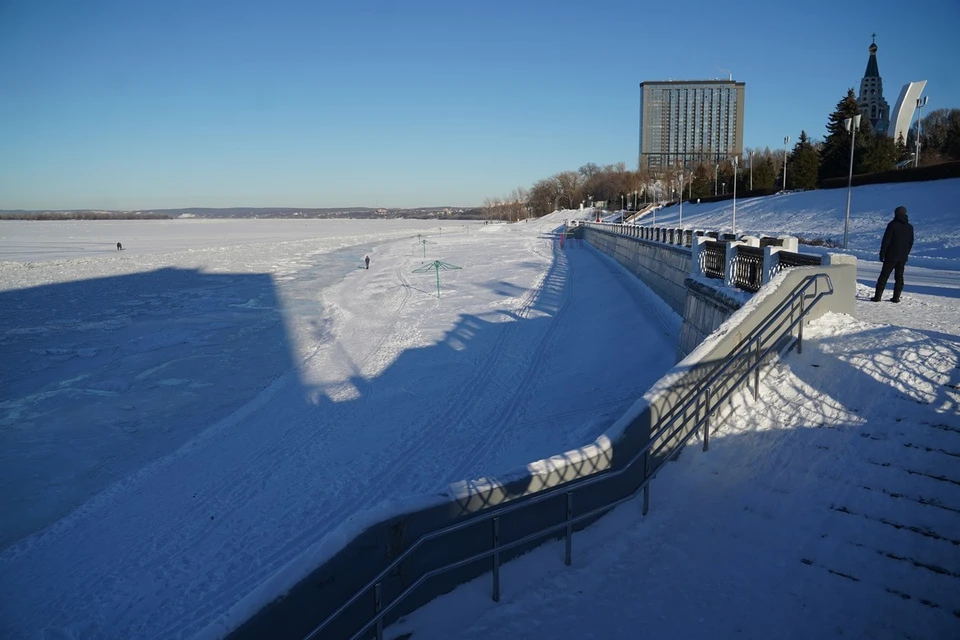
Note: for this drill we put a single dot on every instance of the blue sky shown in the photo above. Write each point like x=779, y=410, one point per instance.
x=362, y=103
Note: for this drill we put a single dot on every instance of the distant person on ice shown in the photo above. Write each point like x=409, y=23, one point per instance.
x=367, y=261
x=119, y=247
x=894, y=250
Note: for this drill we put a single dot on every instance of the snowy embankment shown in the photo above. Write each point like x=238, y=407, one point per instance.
x=186, y=425
x=830, y=508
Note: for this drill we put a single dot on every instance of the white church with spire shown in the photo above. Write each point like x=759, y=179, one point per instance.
x=871, y=101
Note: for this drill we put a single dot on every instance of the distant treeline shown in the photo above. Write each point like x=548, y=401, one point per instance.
x=82, y=215
x=227, y=214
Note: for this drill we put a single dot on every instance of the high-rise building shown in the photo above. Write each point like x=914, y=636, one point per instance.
x=686, y=122
x=872, y=104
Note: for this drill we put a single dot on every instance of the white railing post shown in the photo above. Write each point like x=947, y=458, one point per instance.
x=696, y=254
x=770, y=262
x=730, y=263
x=788, y=243
x=839, y=258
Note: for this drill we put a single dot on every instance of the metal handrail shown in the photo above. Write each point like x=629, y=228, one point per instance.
x=747, y=347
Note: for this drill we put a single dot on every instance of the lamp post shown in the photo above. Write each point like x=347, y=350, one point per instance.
x=921, y=103
x=716, y=173
x=751, y=169
x=851, y=125
x=681, y=199
x=786, y=140
x=736, y=163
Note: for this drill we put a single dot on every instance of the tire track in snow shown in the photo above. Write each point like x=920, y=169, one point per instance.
x=488, y=440
x=386, y=463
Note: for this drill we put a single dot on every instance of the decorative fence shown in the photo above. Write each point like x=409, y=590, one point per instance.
x=743, y=262
x=748, y=268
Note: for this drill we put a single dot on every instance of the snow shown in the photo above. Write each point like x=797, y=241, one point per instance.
x=220, y=406
x=195, y=422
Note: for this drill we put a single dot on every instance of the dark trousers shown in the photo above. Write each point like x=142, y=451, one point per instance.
x=897, y=269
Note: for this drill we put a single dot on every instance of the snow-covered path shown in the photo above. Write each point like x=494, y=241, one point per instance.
x=295, y=405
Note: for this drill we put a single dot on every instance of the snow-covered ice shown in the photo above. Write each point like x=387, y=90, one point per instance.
x=182, y=425
x=190, y=419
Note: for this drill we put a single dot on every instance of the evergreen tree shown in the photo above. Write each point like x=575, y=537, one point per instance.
x=803, y=164
x=903, y=153
x=765, y=171
x=835, y=152
x=879, y=154
x=702, y=182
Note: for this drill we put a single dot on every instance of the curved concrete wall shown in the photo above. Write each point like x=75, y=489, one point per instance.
x=662, y=267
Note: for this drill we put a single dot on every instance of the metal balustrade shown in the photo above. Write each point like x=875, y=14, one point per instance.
x=714, y=255
x=791, y=259
x=693, y=412
x=748, y=261
x=748, y=268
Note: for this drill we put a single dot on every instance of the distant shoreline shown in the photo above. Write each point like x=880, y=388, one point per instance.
x=85, y=215
x=248, y=213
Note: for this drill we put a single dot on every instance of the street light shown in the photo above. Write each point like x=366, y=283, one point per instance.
x=751, y=169
x=736, y=163
x=851, y=125
x=785, y=141
x=921, y=103
x=681, y=199
x=716, y=173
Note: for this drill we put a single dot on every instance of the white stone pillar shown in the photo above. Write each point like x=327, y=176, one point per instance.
x=751, y=241
x=788, y=243
x=731, y=259
x=770, y=261
x=696, y=255
x=839, y=258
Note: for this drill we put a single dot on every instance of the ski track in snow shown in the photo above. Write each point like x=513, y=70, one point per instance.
x=166, y=550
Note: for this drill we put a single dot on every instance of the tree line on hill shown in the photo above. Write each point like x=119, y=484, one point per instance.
x=808, y=165
x=81, y=215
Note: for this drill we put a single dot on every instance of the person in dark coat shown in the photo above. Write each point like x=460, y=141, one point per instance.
x=894, y=250
x=367, y=261
x=119, y=247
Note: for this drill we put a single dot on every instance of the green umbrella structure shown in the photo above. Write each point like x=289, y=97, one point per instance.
x=424, y=242
x=438, y=266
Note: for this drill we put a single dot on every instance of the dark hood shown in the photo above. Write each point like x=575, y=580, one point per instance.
x=901, y=216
